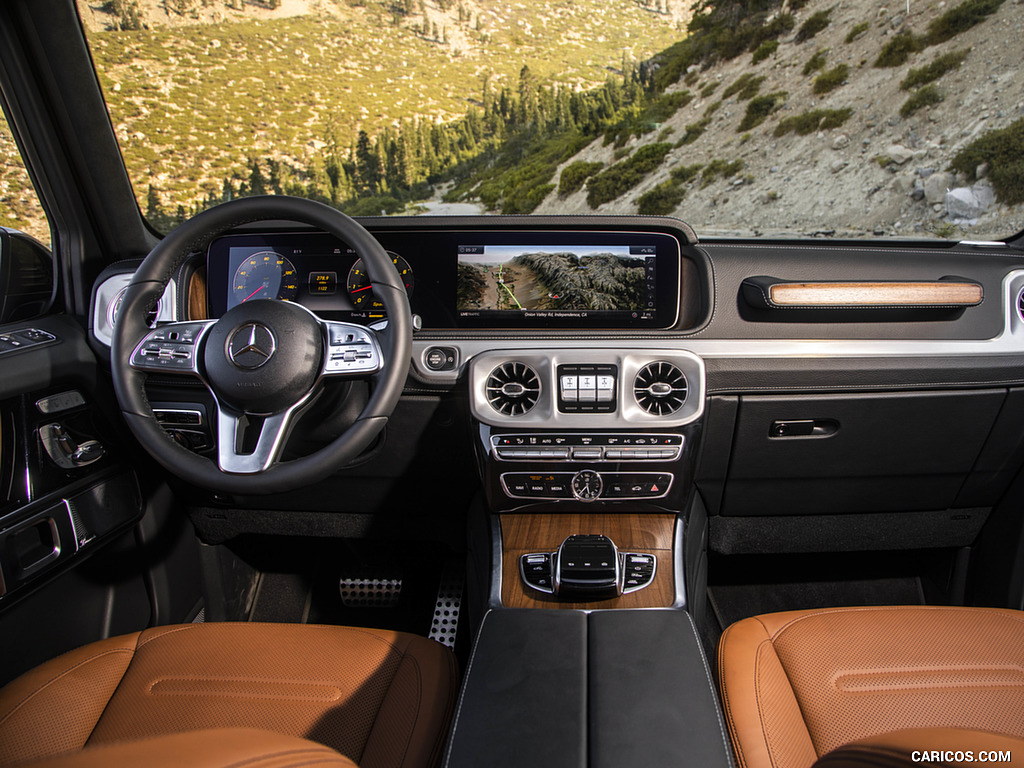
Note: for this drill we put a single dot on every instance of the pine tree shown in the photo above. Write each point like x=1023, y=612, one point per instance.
x=367, y=166
x=257, y=184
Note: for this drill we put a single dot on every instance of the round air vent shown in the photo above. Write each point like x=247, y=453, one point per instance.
x=1020, y=304
x=115, y=307
x=513, y=388
x=660, y=388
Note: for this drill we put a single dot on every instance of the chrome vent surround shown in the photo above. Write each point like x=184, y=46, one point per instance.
x=660, y=388
x=512, y=388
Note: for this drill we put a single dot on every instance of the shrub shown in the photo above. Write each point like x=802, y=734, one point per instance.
x=829, y=81
x=694, y=131
x=717, y=168
x=623, y=176
x=814, y=24
x=933, y=71
x=766, y=49
x=574, y=174
x=759, y=108
x=816, y=62
x=708, y=89
x=638, y=121
x=898, y=50
x=857, y=31
x=685, y=173
x=1003, y=150
x=815, y=120
x=926, y=97
x=960, y=19
x=746, y=86
x=661, y=200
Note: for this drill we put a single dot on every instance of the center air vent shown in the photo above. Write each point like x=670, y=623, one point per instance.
x=513, y=389
x=1020, y=305
x=660, y=388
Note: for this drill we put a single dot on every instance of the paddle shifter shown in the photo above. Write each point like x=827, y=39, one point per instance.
x=587, y=567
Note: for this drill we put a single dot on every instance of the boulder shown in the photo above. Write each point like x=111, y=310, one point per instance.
x=964, y=204
x=935, y=187
x=899, y=154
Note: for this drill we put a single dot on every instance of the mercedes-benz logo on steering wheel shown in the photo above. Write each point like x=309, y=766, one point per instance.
x=251, y=346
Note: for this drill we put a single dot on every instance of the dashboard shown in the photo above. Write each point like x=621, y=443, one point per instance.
x=624, y=347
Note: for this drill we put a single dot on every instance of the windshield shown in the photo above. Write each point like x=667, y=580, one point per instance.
x=741, y=118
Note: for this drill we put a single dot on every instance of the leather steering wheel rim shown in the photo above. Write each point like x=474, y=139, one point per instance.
x=148, y=285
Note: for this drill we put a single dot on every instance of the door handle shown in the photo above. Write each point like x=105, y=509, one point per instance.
x=65, y=452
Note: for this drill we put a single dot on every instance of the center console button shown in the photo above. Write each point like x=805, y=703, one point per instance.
x=586, y=454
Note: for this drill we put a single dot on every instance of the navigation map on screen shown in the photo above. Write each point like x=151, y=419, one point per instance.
x=547, y=278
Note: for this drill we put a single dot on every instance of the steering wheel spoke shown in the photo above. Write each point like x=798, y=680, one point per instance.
x=247, y=444
x=352, y=350
x=171, y=348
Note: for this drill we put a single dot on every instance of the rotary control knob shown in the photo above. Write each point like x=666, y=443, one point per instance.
x=587, y=485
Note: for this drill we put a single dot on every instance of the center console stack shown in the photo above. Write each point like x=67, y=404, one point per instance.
x=572, y=427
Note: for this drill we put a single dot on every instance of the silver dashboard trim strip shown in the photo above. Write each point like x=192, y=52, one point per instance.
x=1009, y=342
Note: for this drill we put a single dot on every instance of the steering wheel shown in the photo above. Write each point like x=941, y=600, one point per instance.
x=263, y=361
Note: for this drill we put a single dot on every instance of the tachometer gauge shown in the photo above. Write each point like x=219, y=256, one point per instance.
x=360, y=290
x=265, y=275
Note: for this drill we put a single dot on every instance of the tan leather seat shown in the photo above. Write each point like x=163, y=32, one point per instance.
x=218, y=748
x=382, y=699
x=948, y=747
x=800, y=684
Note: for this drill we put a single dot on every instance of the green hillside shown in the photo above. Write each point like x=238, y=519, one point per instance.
x=194, y=104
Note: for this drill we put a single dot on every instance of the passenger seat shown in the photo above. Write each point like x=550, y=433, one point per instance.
x=798, y=685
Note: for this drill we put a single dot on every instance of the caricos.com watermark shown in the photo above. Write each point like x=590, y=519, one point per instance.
x=960, y=756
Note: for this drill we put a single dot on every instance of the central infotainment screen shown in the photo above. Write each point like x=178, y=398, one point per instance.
x=557, y=281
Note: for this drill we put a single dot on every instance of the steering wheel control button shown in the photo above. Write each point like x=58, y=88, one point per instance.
x=441, y=358
x=352, y=350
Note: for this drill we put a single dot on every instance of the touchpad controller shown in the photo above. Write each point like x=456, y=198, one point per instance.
x=587, y=567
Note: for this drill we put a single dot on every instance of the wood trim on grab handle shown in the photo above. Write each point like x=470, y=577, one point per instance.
x=946, y=294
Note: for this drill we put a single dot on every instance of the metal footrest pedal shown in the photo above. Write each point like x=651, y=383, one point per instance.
x=370, y=592
x=448, y=605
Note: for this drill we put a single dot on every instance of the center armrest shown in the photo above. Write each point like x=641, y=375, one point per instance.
x=570, y=689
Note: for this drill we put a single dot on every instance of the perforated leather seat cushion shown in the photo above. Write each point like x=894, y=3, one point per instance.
x=796, y=685
x=382, y=699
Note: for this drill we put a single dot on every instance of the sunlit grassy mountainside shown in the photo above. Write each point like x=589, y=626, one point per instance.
x=19, y=206
x=201, y=95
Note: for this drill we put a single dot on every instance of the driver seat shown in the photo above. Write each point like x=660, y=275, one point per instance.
x=381, y=699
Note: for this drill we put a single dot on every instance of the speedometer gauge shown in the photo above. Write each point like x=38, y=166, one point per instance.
x=360, y=290
x=264, y=275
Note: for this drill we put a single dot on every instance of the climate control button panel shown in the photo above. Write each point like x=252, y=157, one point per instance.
x=588, y=447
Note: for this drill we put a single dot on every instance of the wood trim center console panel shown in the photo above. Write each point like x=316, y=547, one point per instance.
x=527, y=533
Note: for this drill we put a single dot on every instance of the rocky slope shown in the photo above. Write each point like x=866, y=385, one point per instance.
x=878, y=173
